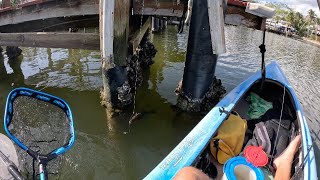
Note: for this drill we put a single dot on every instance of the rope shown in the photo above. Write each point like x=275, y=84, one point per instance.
x=274, y=147
x=136, y=72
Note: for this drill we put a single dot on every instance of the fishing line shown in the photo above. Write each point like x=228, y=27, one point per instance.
x=301, y=166
x=274, y=147
x=67, y=22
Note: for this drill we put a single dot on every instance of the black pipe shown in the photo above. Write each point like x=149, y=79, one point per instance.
x=200, y=60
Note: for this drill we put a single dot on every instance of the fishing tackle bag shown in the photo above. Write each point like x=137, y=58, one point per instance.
x=229, y=139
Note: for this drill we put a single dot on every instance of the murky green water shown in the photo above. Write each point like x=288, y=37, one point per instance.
x=102, y=150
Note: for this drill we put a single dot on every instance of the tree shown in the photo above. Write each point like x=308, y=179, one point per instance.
x=311, y=15
x=317, y=20
x=296, y=19
x=290, y=17
x=300, y=24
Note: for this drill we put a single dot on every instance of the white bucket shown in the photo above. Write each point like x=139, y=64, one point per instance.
x=242, y=172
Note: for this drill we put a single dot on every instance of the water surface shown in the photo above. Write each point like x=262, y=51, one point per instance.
x=102, y=149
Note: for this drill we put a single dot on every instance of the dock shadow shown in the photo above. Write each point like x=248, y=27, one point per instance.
x=17, y=77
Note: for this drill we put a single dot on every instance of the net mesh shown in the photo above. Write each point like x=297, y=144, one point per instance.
x=42, y=127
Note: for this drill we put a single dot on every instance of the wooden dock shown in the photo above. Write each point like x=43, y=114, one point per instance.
x=123, y=24
x=60, y=15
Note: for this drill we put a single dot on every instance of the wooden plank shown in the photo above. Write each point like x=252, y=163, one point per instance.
x=51, y=40
x=7, y=6
x=138, y=35
x=61, y=24
x=237, y=3
x=158, y=8
x=159, y=12
x=216, y=22
x=106, y=14
x=106, y=31
x=121, y=30
x=49, y=9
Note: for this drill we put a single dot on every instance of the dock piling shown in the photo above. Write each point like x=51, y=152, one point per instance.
x=114, y=34
x=106, y=14
x=206, y=41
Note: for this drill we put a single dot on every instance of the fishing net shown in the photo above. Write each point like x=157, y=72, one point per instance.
x=42, y=127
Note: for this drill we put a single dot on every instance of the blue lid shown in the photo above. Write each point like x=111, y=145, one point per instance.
x=229, y=166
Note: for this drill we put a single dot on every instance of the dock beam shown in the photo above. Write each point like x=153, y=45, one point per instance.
x=206, y=40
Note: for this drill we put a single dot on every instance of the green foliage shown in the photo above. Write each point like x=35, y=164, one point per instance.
x=14, y=3
x=296, y=19
x=311, y=15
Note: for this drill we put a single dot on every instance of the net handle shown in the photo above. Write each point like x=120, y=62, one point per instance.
x=43, y=171
x=43, y=97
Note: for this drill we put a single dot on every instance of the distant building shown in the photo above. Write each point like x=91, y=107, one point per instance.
x=281, y=27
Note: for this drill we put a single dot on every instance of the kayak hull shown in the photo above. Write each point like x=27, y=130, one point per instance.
x=186, y=152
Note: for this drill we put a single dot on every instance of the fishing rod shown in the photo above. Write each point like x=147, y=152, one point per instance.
x=262, y=48
x=301, y=166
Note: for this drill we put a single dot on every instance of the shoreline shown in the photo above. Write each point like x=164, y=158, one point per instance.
x=311, y=42
x=307, y=41
x=301, y=39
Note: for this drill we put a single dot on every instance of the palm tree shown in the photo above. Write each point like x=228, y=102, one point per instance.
x=318, y=20
x=317, y=27
x=311, y=19
x=290, y=17
x=311, y=15
x=300, y=23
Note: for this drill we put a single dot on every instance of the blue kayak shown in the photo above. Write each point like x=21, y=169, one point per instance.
x=187, y=152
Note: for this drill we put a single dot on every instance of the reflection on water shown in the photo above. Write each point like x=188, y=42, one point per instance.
x=102, y=150
x=75, y=69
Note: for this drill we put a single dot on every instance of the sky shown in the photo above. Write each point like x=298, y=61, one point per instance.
x=301, y=6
